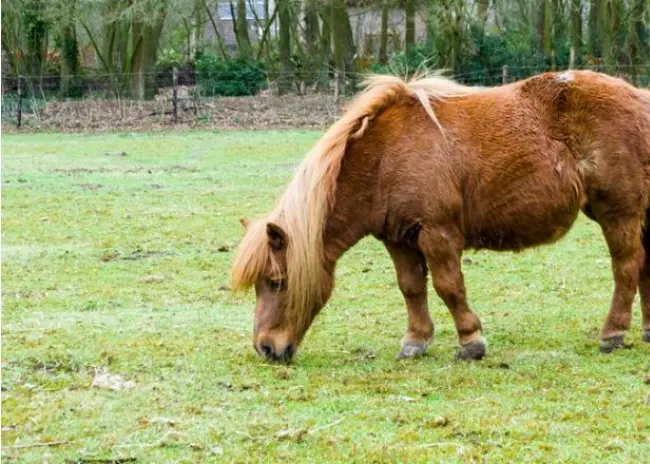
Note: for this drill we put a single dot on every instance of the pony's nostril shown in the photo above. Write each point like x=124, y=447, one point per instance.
x=289, y=352
x=267, y=350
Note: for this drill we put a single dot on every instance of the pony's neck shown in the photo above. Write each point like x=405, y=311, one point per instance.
x=352, y=217
x=341, y=234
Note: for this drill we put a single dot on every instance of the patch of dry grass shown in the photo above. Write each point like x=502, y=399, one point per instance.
x=312, y=111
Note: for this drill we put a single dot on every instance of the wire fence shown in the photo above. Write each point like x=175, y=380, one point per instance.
x=179, y=97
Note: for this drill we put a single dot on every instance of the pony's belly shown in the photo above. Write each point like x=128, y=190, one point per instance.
x=526, y=213
x=522, y=232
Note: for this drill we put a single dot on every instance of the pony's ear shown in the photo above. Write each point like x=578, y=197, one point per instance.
x=277, y=236
x=244, y=222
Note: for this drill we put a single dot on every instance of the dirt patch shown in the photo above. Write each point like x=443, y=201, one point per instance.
x=75, y=171
x=144, y=254
x=61, y=364
x=179, y=168
x=135, y=255
x=90, y=187
x=115, y=153
x=132, y=170
x=152, y=279
x=314, y=111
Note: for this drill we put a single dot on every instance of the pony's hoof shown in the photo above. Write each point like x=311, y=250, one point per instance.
x=472, y=351
x=646, y=335
x=412, y=350
x=611, y=344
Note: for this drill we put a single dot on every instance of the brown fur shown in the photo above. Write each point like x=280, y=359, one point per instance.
x=433, y=168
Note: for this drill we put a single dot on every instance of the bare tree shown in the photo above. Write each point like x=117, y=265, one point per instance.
x=342, y=39
x=286, y=66
x=409, y=13
x=383, y=34
x=241, y=29
x=69, y=47
x=576, y=25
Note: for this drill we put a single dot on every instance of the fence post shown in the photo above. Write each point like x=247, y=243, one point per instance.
x=337, y=85
x=572, y=57
x=175, y=93
x=20, y=101
x=504, y=74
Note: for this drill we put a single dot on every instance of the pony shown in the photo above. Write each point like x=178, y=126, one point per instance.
x=432, y=168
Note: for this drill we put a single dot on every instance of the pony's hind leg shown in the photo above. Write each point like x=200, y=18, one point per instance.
x=442, y=248
x=411, y=269
x=644, y=280
x=623, y=238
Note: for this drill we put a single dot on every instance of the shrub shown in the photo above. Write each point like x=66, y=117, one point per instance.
x=236, y=77
x=408, y=63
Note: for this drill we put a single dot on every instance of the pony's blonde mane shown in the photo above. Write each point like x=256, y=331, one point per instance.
x=303, y=209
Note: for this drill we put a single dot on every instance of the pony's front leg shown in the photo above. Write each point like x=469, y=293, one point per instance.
x=442, y=248
x=411, y=269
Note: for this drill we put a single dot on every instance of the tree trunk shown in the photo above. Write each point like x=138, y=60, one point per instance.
x=409, y=36
x=605, y=31
x=558, y=28
x=241, y=31
x=430, y=20
x=286, y=66
x=109, y=30
x=69, y=51
x=638, y=37
x=343, y=41
x=483, y=7
x=36, y=31
x=455, y=58
x=220, y=43
x=383, y=37
x=576, y=26
x=325, y=48
x=199, y=26
x=11, y=41
x=599, y=31
x=617, y=17
x=263, y=47
x=544, y=39
x=312, y=40
x=145, y=38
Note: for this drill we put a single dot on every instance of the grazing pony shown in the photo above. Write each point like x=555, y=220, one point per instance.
x=432, y=168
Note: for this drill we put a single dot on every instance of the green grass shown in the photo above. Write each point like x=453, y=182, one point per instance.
x=83, y=232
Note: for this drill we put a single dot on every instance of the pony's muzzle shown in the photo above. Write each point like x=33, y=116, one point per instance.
x=282, y=352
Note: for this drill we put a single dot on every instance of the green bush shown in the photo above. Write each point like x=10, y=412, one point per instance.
x=230, y=78
x=481, y=55
x=403, y=63
x=169, y=59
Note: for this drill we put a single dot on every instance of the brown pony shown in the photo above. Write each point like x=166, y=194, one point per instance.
x=432, y=168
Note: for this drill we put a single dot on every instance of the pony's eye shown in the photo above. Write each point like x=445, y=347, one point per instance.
x=274, y=285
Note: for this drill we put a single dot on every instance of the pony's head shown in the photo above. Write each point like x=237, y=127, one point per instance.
x=283, y=311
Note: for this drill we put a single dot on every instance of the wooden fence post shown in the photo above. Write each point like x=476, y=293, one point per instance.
x=504, y=74
x=20, y=101
x=337, y=85
x=175, y=94
x=572, y=57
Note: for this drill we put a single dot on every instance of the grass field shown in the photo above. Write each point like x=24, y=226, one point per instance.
x=120, y=264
